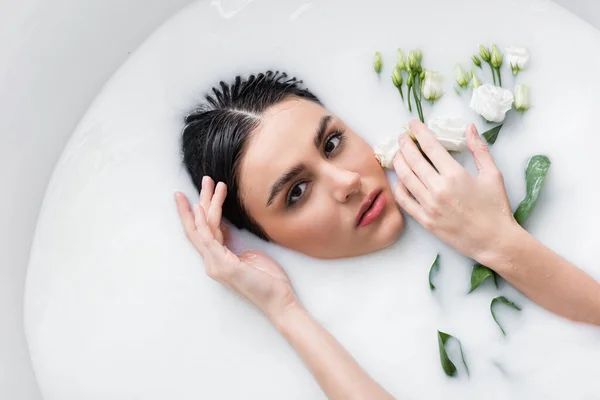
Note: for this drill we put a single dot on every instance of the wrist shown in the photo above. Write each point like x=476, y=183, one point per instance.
x=501, y=251
x=285, y=319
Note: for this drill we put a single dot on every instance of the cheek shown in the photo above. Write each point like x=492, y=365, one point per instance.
x=317, y=220
x=363, y=159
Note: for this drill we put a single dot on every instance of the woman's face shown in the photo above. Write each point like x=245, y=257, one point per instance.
x=315, y=186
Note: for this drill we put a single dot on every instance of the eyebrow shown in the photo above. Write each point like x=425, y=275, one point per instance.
x=298, y=169
x=321, y=130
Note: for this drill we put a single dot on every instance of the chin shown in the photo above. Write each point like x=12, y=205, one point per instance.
x=392, y=229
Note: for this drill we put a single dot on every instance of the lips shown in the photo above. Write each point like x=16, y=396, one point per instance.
x=366, y=206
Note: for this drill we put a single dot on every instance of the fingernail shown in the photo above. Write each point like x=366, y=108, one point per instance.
x=203, y=181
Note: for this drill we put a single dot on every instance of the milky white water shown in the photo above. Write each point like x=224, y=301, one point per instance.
x=118, y=305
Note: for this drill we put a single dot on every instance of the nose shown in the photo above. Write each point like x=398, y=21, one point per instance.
x=344, y=183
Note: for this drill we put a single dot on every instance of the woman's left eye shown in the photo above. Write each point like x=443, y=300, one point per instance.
x=333, y=142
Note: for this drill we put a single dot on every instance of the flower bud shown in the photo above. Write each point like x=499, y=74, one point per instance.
x=410, y=80
x=401, y=60
x=476, y=60
x=484, y=53
x=419, y=55
x=412, y=61
x=397, y=76
x=522, y=103
x=475, y=81
x=496, y=57
x=377, y=62
x=461, y=77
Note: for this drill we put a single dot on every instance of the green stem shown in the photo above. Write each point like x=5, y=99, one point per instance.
x=499, y=76
x=401, y=94
x=419, y=109
x=493, y=74
x=417, y=94
x=408, y=95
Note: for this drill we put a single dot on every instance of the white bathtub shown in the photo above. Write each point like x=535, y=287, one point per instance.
x=54, y=58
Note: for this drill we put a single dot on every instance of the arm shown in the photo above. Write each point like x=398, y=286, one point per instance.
x=473, y=215
x=338, y=374
x=260, y=280
x=547, y=278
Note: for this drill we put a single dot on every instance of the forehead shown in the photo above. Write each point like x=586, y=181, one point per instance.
x=285, y=134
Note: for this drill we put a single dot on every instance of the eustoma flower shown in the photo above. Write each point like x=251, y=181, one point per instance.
x=522, y=103
x=432, y=86
x=451, y=132
x=385, y=152
x=491, y=102
x=517, y=58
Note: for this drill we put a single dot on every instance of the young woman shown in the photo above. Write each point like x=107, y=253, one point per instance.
x=293, y=173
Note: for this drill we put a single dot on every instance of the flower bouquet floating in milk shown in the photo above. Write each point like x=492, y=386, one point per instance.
x=492, y=102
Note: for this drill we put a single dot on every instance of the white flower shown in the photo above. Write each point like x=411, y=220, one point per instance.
x=517, y=58
x=491, y=102
x=385, y=152
x=451, y=132
x=522, y=98
x=433, y=83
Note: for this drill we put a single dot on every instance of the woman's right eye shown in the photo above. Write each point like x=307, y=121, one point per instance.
x=296, y=193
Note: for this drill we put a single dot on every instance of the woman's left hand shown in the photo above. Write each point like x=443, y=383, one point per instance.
x=470, y=213
x=252, y=274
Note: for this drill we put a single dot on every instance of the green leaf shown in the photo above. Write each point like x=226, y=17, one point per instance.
x=480, y=274
x=435, y=268
x=447, y=365
x=536, y=171
x=492, y=134
x=505, y=301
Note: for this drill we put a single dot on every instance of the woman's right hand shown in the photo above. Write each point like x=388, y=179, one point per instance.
x=253, y=275
x=470, y=213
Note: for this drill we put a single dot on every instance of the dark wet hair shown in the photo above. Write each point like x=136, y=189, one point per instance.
x=216, y=134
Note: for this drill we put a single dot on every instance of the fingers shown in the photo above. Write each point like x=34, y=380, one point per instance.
x=406, y=201
x=417, y=162
x=215, y=209
x=225, y=232
x=410, y=180
x=206, y=192
x=205, y=234
x=185, y=213
x=480, y=150
x=438, y=155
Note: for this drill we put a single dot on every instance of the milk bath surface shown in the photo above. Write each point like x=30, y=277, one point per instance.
x=117, y=302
